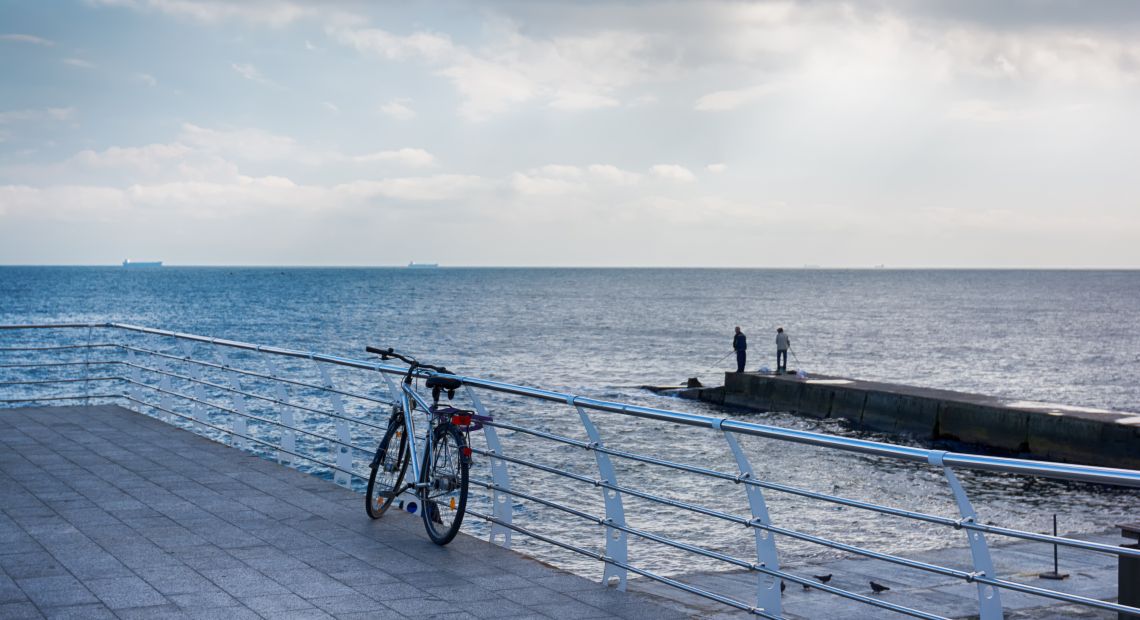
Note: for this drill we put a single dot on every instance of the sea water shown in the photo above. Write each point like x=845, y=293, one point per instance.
x=1059, y=336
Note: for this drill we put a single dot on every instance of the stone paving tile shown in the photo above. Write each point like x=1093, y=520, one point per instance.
x=19, y=611
x=79, y=612
x=181, y=527
x=125, y=592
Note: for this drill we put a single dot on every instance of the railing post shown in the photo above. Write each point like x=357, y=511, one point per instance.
x=989, y=599
x=502, y=506
x=87, y=370
x=617, y=542
x=238, y=423
x=164, y=397
x=343, y=453
x=198, y=409
x=288, y=435
x=133, y=389
x=767, y=586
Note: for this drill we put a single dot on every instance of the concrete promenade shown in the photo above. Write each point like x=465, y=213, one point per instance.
x=106, y=513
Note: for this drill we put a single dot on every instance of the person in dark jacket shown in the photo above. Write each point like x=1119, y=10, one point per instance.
x=783, y=343
x=740, y=345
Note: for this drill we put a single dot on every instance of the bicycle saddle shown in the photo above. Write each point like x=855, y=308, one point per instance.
x=444, y=383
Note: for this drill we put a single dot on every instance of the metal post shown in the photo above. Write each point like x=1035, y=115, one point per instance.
x=197, y=409
x=343, y=453
x=617, y=543
x=238, y=423
x=501, y=505
x=87, y=369
x=409, y=424
x=989, y=598
x=164, y=398
x=767, y=586
x=136, y=376
x=285, y=414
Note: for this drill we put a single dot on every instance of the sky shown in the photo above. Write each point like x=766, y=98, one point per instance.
x=949, y=134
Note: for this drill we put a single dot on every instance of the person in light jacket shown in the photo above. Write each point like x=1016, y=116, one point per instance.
x=740, y=345
x=783, y=343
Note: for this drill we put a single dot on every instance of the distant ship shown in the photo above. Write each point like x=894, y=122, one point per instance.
x=132, y=264
x=423, y=265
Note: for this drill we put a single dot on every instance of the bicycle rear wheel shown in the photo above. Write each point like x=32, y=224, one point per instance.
x=388, y=467
x=445, y=497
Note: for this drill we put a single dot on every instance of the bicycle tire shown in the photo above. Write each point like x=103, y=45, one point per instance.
x=388, y=468
x=444, y=499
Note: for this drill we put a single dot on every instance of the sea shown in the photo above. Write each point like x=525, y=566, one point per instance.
x=1064, y=336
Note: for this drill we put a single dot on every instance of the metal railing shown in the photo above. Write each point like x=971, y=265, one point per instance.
x=301, y=408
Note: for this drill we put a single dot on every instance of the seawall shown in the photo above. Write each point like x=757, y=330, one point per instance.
x=1042, y=430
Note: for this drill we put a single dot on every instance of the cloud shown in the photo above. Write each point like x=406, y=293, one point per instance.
x=244, y=143
x=251, y=73
x=672, y=172
x=716, y=168
x=26, y=38
x=40, y=114
x=330, y=106
x=79, y=62
x=567, y=72
x=417, y=158
x=146, y=78
x=273, y=13
x=723, y=100
x=435, y=188
x=398, y=109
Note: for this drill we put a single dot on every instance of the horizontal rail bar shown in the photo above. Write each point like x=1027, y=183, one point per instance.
x=78, y=397
x=59, y=347
x=54, y=326
x=775, y=486
x=728, y=559
x=48, y=364
x=249, y=416
x=250, y=373
x=43, y=381
x=253, y=439
x=255, y=396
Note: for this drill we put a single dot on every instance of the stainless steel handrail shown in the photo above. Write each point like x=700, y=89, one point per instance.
x=729, y=428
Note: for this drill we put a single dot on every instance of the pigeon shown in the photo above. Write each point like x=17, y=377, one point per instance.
x=878, y=587
x=822, y=579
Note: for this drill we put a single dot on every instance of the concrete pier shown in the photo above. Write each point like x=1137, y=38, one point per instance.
x=107, y=513
x=1039, y=430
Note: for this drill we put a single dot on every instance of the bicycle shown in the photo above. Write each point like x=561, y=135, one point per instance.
x=439, y=466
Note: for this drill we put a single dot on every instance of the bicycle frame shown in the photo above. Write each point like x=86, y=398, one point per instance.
x=408, y=396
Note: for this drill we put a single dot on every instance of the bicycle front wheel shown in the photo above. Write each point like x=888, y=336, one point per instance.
x=388, y=467
x=445, y=496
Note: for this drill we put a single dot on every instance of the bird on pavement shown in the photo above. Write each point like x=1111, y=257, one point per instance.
x=878, y=587
x=822, y=579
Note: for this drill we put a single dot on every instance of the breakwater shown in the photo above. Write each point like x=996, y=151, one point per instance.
x=1026, y=428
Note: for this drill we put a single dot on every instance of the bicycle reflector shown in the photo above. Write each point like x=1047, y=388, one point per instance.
x=411, y=507
x=461, y=420
x=467, y=451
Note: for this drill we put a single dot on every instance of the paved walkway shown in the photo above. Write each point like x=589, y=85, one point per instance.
x=106, y=513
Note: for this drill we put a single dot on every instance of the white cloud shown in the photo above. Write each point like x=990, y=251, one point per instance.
x=146, y=78
x=419, y=45
x=42, y=114
x=398, y=109
x=249, y=144
x=276, y=13
x=79, y=62
x=672, y=172
x=722, y=100
x=572, y=72
x=613, y=174
x=716, y=168
x=416, y=158
x=251, y=73
x=330, y=106
x=436, y=188
x=26, y=38
x=982, y=111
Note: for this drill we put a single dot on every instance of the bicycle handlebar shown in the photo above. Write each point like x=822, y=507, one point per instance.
x=410, y=361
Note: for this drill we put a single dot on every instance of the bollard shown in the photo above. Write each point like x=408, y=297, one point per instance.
x=1055, y=573
x=1128, y=573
